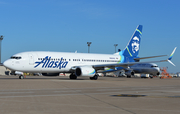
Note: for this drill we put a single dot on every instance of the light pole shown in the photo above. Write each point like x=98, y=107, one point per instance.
x=115, y=47
x=1, y=38
x=89, y=43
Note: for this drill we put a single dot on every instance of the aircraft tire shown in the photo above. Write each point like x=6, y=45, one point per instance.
x=95, y=77
x=128, y=76
x=72, y=76
x=21, y=77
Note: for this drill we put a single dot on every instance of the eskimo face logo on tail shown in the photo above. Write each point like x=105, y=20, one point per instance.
x=135, y=44
x=48, y=63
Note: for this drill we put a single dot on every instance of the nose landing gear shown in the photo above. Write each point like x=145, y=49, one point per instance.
x=22, y=77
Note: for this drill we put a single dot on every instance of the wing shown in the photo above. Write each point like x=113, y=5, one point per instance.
x=126, y=65
x=148, y=57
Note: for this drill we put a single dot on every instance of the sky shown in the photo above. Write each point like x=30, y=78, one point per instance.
x=67, y=26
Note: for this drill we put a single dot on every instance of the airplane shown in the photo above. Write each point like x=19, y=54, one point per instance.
x=146, y=68
x=80, y=64
x=143, y=68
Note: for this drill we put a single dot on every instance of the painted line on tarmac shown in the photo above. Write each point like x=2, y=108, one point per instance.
x=134, y=95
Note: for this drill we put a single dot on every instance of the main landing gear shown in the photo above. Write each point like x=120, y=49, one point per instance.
x=95, y=77
x=128, y=76
x=72, y=76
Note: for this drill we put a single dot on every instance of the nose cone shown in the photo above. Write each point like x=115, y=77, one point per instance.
x=7, y=63
x=158, y=69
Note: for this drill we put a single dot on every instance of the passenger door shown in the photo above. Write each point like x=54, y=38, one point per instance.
x=31, y=59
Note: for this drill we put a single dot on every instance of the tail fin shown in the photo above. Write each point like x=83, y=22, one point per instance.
x=132, y=48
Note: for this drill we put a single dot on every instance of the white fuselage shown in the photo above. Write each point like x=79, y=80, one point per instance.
x=56, y=62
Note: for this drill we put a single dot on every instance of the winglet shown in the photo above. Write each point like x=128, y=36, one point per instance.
x=170, y=57
x=171, y=62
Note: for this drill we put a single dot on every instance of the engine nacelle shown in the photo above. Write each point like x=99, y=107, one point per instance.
x=18, y=73
x=85, y=71
x=129, y=73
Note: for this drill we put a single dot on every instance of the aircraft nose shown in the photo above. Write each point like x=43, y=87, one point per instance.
x=7, y=63
x=158, y=69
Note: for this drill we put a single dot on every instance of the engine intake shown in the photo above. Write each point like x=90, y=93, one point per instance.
x=129, y=73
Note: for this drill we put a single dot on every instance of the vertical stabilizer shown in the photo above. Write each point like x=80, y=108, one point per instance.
x=132, y=48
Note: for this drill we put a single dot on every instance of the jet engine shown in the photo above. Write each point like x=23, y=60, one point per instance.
x=129, y=73
x=85, y=71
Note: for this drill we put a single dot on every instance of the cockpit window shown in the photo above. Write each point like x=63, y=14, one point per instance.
x=14, y=57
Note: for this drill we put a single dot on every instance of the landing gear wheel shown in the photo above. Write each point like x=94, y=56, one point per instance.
x=128, y=76
x=73, y=76
x=21, y=77
x=95, y=77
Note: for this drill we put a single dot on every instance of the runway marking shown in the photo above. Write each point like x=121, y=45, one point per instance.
x=134, y=95
x=163, y=110
x=14, y=92
x=129, y=95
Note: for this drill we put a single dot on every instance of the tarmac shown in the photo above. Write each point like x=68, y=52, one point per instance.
x=107, y=95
